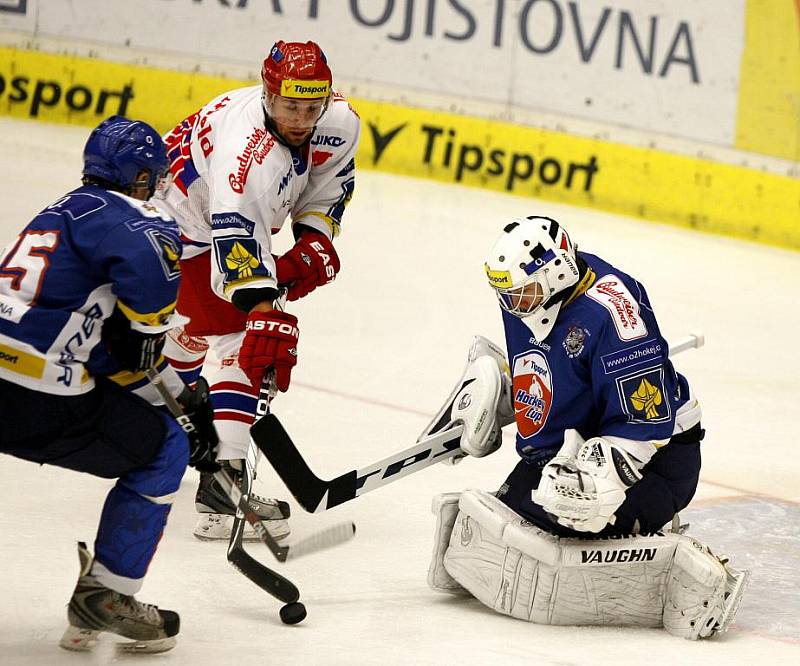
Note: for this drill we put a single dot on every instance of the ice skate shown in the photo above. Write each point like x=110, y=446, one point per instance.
x=217, y=512
x=94, y=609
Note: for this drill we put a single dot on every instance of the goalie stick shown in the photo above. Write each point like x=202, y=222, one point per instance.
x=316, y=495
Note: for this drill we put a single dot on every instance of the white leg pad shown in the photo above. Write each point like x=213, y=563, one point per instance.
x=702, y=594
x=445, y=508
x=650, y=581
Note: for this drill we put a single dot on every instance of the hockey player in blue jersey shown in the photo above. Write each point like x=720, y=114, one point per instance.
x=87, y=289
x=608, y=435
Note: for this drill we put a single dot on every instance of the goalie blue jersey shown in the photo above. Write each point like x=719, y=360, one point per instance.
x=65, y=272
x=602, y=370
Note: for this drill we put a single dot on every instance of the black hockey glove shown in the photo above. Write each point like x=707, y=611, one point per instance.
x=132, y=350
x=203, y=438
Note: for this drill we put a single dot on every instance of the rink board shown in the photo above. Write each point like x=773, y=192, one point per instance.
x=491, y=154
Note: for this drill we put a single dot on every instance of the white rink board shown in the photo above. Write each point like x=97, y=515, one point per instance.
x=380, y=349
x=669, y=67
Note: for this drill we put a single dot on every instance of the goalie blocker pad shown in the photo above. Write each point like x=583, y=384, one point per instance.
x=516, y=569
x=480, y=400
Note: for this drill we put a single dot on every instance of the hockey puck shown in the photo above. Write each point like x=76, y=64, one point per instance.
x=293, y=613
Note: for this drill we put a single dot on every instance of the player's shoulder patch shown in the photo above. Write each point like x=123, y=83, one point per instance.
x=610, y=292
x=168, y=248
x=642, y=396
x=239, y=259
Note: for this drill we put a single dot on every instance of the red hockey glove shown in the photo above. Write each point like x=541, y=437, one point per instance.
x=311, y=263
x=270, y=341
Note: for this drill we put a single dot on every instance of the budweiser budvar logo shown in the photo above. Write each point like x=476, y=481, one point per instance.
x=256, y=150
x=620, y=301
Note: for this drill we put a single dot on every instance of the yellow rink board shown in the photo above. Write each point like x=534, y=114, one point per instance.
x=613, y=177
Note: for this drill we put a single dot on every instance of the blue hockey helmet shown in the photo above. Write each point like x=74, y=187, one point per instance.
x=118, y=149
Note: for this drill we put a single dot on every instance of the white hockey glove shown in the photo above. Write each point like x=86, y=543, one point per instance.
x=480, y=401
x=585, y=483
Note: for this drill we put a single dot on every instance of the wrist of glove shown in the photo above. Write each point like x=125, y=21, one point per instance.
x=270, y=341
x=131, y=349
x=310, y=263
x=582, y=489
x=202, y=435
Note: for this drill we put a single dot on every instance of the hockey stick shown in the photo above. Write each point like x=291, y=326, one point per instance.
x=316, y=495
x=320, y=540
x=268, y=580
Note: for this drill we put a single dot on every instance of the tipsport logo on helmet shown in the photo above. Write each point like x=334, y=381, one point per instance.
x=304, y=89
x=499, y=279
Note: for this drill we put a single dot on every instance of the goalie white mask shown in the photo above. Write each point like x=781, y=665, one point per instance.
x=530, y=264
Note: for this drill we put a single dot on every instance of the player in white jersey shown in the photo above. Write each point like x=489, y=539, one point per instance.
x=242, y=164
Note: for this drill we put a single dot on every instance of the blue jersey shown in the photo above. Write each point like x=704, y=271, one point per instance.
x=602, y=370
x=64, y=274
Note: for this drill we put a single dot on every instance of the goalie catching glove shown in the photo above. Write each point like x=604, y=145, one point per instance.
x=310, y=263
x=480, y=402
x=585, y=483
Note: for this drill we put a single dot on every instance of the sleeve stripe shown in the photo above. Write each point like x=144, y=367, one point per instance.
x=150, y=318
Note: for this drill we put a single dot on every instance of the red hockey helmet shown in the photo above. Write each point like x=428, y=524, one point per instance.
x=297, y=84
x=297, y=70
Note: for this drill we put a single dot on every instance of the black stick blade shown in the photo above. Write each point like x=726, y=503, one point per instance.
x=309, y=490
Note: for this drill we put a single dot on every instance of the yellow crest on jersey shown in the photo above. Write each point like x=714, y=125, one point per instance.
x=646, y=399
x=240, y=260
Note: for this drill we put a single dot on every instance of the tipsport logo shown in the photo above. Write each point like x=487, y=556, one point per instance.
x=516, y=171
x=42, y=95
x=14, y=6
x=533, y=392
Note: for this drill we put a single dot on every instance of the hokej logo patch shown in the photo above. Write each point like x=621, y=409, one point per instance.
x=168, y=248
x=642, y=396
x=234, y=222
x=239, y=259
x=533, y=392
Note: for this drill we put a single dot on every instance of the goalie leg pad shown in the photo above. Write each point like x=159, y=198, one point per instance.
x=445, y=508
x=502, y=577
x=649, y=580
x=702, y=594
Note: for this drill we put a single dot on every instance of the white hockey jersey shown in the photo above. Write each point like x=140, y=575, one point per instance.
x=235, y=184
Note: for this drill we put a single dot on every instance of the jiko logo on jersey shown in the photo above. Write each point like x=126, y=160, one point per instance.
x=533, y=392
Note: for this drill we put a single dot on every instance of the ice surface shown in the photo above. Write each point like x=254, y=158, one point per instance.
x=379, y=351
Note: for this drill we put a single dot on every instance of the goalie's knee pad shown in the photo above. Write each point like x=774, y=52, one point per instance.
x=445, y=508
x=652, y=580
x=481, y=401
